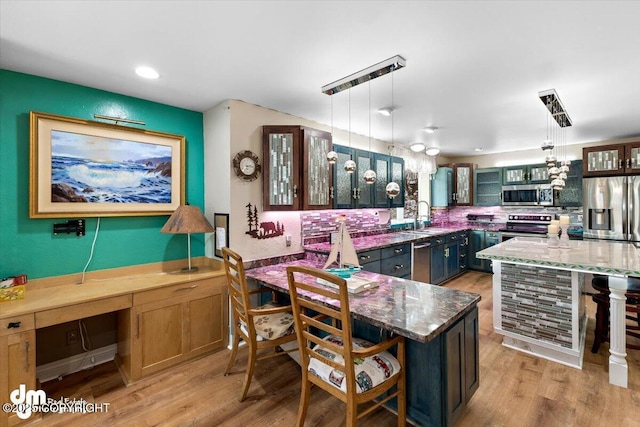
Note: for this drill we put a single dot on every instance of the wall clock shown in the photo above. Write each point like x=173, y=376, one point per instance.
x=247, y=165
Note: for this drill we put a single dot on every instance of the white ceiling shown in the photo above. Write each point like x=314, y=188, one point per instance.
x=474, y=68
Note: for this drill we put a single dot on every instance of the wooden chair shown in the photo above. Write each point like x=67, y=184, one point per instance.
x=265, y=327
x=351, y=369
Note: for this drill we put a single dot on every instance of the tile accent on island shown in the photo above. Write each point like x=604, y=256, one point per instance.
x=537, y=302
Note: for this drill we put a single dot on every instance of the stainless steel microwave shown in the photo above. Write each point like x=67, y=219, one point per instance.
x=527, y=195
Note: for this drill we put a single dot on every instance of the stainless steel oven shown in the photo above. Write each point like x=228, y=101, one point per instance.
x=525, y=225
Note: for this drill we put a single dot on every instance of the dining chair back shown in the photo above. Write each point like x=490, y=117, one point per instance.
x=351, y=369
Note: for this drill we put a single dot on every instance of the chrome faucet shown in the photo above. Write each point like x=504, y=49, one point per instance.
x=417, y=220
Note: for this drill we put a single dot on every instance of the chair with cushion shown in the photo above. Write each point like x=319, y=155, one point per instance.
x=266, y=327
x=632, y=312
x=351, y=369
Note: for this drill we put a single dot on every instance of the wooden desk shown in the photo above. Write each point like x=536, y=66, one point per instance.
x=165, y=317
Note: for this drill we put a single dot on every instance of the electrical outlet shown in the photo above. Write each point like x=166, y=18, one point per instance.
x=72, y=337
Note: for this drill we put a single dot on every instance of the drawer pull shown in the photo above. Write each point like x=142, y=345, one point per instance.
x=398, y=251
x=26, y=359
x=186, y=289
x=363, y=257
x=13, y=325
x=398, y=266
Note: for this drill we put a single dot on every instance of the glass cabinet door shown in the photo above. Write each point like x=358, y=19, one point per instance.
x=397, y=176
x=364, y=191
x=464, y=184
x=343, y=181
x=381, y=162
x=318, y=177
x=514, y=175
x=538, y=174
x=632, y=164
x=603, y=160
x=280, y=151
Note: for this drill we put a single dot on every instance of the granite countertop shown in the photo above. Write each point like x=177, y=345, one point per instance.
x=388, y=239
x=595, y=256
x=415, y=310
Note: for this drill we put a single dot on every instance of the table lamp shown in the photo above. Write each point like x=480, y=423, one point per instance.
x=186, y=220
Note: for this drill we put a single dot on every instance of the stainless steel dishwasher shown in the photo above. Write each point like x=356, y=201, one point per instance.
x=421, y=261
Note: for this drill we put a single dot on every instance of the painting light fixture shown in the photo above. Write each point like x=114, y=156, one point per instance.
x=187, y=219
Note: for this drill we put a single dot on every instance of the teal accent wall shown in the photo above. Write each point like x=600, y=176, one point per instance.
x=28, y=246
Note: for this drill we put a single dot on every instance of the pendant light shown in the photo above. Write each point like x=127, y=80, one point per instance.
x=332, y=156
x=349, y=165
x=392, y=189
x=369, y=176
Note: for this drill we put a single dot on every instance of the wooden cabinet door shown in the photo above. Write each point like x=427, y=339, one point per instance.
x=206, y=325
x=603, y=160
x=471, y=354
x=632, y=158
x=317, y=175
x=17, y=366
x=281, y=159
x=463, y=173
x=158, y=341
x=438, y=265
x=455, y=372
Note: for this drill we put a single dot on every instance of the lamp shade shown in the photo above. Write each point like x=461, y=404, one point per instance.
x=187, y=219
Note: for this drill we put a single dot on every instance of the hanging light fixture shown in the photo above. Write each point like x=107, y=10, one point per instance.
x=349, y=165
x=369, y=175
x=392, y=189
x=557, y=146
x=332, y=156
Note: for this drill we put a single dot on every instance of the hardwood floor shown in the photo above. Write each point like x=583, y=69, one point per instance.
x=515, y=389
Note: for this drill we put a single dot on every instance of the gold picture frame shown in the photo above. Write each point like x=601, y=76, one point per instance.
x=82, y=168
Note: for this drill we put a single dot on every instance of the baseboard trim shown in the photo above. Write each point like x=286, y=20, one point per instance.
x=76, y=363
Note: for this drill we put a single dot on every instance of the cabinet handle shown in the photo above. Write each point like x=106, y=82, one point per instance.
x=398, y=251
x=355, y=193
x=26, y=359
x=358, y=193
x=453, y=196
x=186, y=289
x=138, y=326
x=398, y=266
x=13, y=325
x=466, y=240
x=295, y=191
x=620, y=164
x=446, y=253
x=628, y=163
x=365, y=257
x=331, y=192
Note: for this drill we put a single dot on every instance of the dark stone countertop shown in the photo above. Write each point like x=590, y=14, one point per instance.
x=415, y=310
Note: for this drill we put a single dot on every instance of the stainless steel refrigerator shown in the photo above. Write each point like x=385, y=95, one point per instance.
x=612, y=208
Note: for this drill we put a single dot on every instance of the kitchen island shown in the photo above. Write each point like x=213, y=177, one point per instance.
x=441, y=327
x=538, y=299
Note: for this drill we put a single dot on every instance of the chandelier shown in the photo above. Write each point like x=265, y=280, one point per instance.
x=554, y=145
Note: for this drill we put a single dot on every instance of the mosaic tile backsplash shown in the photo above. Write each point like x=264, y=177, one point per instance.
x=317, y=226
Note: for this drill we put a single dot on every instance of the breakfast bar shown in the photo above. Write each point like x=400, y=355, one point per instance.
x=538, y=297
x=441, y=327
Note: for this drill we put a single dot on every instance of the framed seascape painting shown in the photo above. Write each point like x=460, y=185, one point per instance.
x=82, y=168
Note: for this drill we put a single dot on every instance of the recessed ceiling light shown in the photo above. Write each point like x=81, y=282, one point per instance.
x=430, y=129
x=417, y=147
x=386, y=111
x=147, y=72
x=433, y=151
x=479, y=149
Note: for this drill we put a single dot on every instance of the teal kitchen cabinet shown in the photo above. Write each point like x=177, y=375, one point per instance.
x=391, y=261
x=350, y=189
x=442, y=188
x=479, y=240
x=446, y=261
x=444, y=372
x=487, y=187
x=571, y=194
